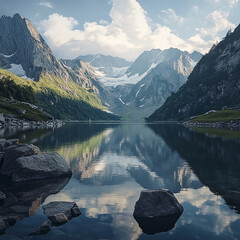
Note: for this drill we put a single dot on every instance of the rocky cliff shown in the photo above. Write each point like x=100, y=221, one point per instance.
x=214, y=83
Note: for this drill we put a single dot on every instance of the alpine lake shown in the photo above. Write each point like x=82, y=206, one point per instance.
x=113, y=163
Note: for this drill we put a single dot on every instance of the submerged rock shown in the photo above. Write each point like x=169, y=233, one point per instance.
x=157, y=211
x=43, y=229
x=24, y=199
x=2, y=226
x=6, y=143
x=58, y=219
x=61, y=212
x=2, y=197
x=40, y=166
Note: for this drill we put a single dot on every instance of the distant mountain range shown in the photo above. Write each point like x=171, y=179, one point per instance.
x=138, y=90
x=214, y=83
x=59, y=90
x=83, y=87
x=105, y=64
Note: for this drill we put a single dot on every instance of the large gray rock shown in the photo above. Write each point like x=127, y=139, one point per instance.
x=157, y=211
x=57, y=211
x=14, y=152
x=157, y=203
x=40, y=166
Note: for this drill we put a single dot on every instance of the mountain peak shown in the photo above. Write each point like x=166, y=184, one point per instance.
x=18, y=15
x=33, y=59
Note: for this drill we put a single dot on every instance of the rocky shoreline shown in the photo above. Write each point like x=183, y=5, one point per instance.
x=27, y=178
x=8, y=120
x=232, y=124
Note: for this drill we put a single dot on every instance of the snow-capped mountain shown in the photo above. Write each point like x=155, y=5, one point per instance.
x=107, y=65
x=214, y=83
x=166, y=73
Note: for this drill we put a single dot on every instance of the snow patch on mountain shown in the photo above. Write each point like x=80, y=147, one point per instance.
x=18, y=70
x=7, y=56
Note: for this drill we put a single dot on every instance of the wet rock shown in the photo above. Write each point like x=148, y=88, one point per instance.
x=39, y=167
x=157, y=211
x=1, y=159
x=6, y=143
x=14, y=152
x=43, y=229
x=57, y=211
x=24, y=199
x=58, y=219
x=2, y=197
x=2, y=226
x=10, y=220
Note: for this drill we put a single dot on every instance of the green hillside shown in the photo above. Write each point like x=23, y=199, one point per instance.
x=16, y=108
x=219, y=116
x=63, y=99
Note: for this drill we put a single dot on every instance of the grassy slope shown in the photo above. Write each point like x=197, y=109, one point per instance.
x=13, y=107
x=219, y=116
x=63, y=99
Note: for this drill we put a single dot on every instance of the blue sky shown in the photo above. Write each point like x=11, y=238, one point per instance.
x=126, y=28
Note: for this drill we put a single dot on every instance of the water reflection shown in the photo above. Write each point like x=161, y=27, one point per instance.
x=215, y=160
x=113, y=163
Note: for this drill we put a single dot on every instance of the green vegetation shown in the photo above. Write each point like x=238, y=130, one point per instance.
x=219, y=116
x=8, y=89
x=63, y=99
x=16, y=108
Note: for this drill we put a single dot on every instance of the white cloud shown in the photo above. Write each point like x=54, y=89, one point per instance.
x=230, y=3
x=216, y=21
x=233, y=2
x=46, y=4
x=169, y=15
x=128, y=33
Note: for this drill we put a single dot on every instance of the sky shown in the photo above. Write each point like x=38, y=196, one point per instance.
x=126, y=28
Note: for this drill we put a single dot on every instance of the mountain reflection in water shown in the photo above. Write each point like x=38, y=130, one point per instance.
x=112, y=163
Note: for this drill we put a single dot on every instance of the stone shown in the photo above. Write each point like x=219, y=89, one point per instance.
x=10, y=220
x=2, y=118
x=25, y=198
x=14, y=152
x=2, y=226
x=58, y=219
x=49, y=165
x=157, y=203
x=6, y=143
x=43, y=229
x=157, y=211
x=56, y=210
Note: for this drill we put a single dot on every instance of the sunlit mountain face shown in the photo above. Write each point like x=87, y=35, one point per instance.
x=112, y=163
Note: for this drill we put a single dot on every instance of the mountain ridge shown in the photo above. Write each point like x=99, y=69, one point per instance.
x=24, y=51
x=213, y=84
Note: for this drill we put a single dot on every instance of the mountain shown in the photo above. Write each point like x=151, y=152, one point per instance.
x=213, y=84
x=85, y=76
x=25, y=54
x=107, y=65
x=147, y=60
x=164, y=73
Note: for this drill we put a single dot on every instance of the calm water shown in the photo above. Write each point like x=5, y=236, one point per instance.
x=111, y=165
